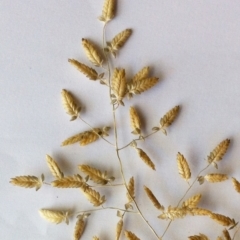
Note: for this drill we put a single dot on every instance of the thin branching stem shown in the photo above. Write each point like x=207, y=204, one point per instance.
x=116, y=141
x=189, y=188
x=96, y=132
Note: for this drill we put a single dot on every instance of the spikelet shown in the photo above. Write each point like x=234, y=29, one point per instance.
x=119, y=85
x=92, y=53
x=183, y=167
x=135, y=121
x=192, y=202
x=87, y=71
x=54, y=168
x=145, y=158
x=93, y=196
x=84, y=138
x=142, y=74
x=218, y=152
x=226, y=235
x=54, y=216
x=28, y=181
x=79, y=227
x=95, y=175
x=168, y=119
x=131, y=189
x=236, y=184
x=173, y=213
x=69, y=105
x=119, y=40
x=153, y=199
x=131, y=236
x=75, y=181
x=108, y=11
x=119, y=229
x=95, y=238
x=198, y=237
x=141, y=85
x=215, y=177
x=221, y=219
x=200, y=212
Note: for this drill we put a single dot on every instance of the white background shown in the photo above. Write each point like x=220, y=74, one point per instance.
x=193, y=46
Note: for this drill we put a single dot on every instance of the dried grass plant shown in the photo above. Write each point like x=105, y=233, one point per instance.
x=120, y=86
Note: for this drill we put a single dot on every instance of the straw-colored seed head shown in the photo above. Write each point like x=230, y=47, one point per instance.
x=119, y=229
x=173, y=213
x=90, y=136
x=92, y=53
x=54, y=168
x=216, y=177
x=192, y=202
x=221, y=219
x=70, y=105
x=135, y=121
x=169, y=117
x=142, y=74
x=93, y=196
x=198, y=237
x=87, y=71
x=183, y=167
x=119, y=40
x=219, y=151
x=236, y=184
x=153, y=198
x=54, y=216
x=200, y=212
x=131, y=189
x=226, y=235
x=131, y=236
x=141, y=85
x=119, y=83
x=28, y=181
x=95, y=238
x=145, y=158
x=75, y=181
x=108, y=11
x=79, y=228
x=95, y=175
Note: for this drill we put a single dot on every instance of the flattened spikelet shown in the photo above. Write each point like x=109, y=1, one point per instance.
x=183, y=167
x=216, y=177
x=74, y=181
x=192, y=202
x=221, y=219
x=131, y=189
x=173, y=213
x=145, y=158
x=131, y=236
x=226, y=234
x=236, y=184
x=141, y=85
x=79, y=228
x=142, y=74
x=95, y=238
x=96, y=175
x=218, y=152
x=84, y=138
x=93, y=196
x=119, y=40
x=69, y=104
x=119, y=83
x=200, y=212
x=153, y=198
x=135, y=121
x=108, y=11
x=54, y=216
x=27, y=182
x=54, y=168
x=87, y=71
x=169, y=118
x=198, y=237
x=119, y=229
x=92, y=53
